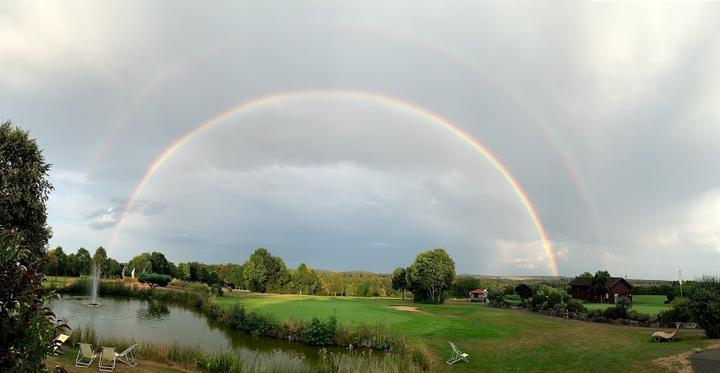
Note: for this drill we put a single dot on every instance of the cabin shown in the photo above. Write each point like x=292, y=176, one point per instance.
x=618, y=287
x=478, y=295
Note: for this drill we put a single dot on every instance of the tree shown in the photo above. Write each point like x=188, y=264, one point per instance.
x=264, y=272
x=399, y=280
x=26, y=328
x=599, y=284
x=154, y=279
x=463, y=285
x=111, y=268
x=141, y=264
x=586, y=274
x=62, y=260
x=430, y=275
x=704, y=305
x=232, y=274
x=51, y=263
x=183, y=271
x=212, y=278
x=305, y=280
x=98, y=259
x=524, y=291
x=160, y=264
x=82, y=262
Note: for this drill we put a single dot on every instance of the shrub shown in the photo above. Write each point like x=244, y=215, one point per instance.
x=679, y=313
x=538, y=300
x=512, y=300
x=615, y=312
x=704, y=304
x=524, y=291
x=595, y=315
x=154, y=279
x=258, y=324
x=234, y=317
x=320, y=333
x=216, y=289
x=576, y=306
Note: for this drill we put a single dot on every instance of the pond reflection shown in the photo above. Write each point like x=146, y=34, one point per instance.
x=158, y=321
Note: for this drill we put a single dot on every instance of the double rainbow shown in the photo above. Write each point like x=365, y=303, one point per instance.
x=376, y=98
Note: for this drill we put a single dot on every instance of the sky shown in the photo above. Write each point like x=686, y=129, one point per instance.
x=347, y=135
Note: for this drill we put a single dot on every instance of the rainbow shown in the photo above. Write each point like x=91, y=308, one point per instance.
x=353, y=94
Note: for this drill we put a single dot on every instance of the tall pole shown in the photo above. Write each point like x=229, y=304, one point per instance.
x=680, y=279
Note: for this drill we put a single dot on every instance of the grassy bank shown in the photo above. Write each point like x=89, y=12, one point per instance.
x=165, y=356
x=648, y=304
x=496, y=339
x=383, y=348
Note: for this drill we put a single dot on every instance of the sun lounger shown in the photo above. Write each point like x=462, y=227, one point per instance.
x=662, y=336
x=107, y=359
x=457, y=355
x=127, y=357
x=85, y=355
x=58, y=342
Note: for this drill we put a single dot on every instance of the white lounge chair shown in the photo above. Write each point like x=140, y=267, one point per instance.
x=107, y=359
x=127, y=357
x=662, y=336
x=58, y=342
x=457, y=355
x=85, y=355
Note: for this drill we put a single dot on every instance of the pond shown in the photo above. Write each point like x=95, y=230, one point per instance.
x=142, y=320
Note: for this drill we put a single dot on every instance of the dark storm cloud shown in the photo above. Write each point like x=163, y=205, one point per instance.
x=619, y=96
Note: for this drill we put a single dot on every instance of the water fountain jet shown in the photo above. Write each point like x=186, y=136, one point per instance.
x=95, y=273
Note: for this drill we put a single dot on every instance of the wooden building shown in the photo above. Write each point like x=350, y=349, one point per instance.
x=618, y=287
x=478, y=295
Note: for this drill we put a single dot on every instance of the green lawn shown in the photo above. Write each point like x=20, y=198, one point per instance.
x=496, y=339
x=650, y=304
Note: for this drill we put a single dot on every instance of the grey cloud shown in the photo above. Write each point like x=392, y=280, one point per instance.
x=109, y=86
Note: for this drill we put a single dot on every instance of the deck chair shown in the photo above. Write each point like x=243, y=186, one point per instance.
x=127, y=357
x=107, y=359
x=662, y=336
x=58, y=342
x=85, y=356
x=457, y=355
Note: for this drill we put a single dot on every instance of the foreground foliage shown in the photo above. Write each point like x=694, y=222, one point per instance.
x=704, y=305
x=26, y=329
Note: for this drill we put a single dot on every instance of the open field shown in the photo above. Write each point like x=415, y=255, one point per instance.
x=496, y=339
x=650, y=304
x=57, y=281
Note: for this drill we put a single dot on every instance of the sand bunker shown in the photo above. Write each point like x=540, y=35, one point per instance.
x=406, y=308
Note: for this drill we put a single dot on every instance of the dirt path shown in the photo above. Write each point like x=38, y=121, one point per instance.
x=681, y=362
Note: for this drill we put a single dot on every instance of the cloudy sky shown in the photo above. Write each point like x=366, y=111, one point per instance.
x=606, y=114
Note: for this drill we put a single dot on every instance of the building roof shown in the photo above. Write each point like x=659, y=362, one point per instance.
x=477, y=291
x=587, y=281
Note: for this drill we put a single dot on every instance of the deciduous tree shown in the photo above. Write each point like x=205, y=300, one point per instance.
x=430, y=275
x=26, y=328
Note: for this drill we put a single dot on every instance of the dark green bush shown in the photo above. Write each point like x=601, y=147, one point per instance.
x=594, y=315
x=538, y=300
x=576, y=306
x=512, y=300
x=320, y=333
x=704, y=304
x=615, y=312
x=216, y=289
x=258, y=324
x=524, y=291
x=679, y=313
x=154, y=279
x=234, y=317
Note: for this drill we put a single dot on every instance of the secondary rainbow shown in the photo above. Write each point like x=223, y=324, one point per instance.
x=353, y=94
